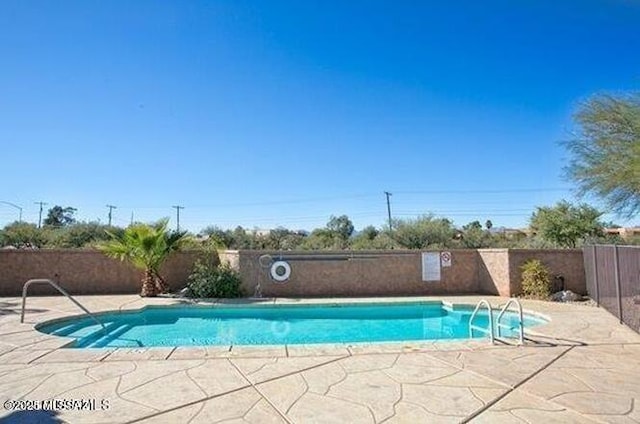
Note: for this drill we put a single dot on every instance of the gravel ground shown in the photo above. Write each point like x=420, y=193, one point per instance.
x=586, y=301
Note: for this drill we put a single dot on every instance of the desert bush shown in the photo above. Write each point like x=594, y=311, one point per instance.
x=536, y=282
x=208, y=280
x=23, y=235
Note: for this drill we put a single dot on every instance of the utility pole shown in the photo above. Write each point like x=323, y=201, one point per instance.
x=111, y=208
x=40, y=216
x=177, y=208
x=389, y=209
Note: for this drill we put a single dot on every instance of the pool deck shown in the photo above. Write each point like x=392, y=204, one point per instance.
x=582, y=367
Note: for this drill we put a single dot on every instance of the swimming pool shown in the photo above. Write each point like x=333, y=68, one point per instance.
x=276, y=324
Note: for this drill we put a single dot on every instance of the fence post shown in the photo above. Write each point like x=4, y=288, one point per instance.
x=616, y=261
x=595, y=274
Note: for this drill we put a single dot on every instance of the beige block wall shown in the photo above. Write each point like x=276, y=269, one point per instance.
x=373, y=273
x=566, y=262
x=232, y=257
x=390, y=273
x=83, y=271
x=493, y=272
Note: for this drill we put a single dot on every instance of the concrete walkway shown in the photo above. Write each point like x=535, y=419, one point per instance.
x=581, y=367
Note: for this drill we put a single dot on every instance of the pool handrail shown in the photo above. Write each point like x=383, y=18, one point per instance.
x=504, y=309
x=61, y=290
x=475, y=327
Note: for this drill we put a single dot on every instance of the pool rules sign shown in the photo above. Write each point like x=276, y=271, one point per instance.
x=430, y=266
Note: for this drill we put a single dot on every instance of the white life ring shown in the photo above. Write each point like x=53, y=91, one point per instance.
x=280, y=271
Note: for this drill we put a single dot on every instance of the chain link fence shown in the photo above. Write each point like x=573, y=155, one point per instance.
x=613, y=280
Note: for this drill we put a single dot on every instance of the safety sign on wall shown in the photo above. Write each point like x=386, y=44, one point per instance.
x=430, y=266
x=445, y=259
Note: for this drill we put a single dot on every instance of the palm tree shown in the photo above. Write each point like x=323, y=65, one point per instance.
x=146, y=247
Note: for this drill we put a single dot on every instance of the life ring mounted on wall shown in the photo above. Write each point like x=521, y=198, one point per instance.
x=280, y=271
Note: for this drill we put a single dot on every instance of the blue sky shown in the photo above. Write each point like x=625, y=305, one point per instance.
x=267, y=113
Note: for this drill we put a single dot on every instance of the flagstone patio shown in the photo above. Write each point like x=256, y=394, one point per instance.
x=581, y=367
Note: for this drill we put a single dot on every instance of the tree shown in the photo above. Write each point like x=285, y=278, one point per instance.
x=605, y=155
x=146, y=247
x=371, y=238
x=276, y=238
x=241, y=239
x=365, y=238
x=335, y=235
x=218, y=237
x=59, y=216
x=473, y=225
x=320, y=239
x=369, y=233
x=565, y=224
x=283, y=239
x=488, y=225
x=474, y=237
x=424, y=232
x=81, y=234
x=341, y=227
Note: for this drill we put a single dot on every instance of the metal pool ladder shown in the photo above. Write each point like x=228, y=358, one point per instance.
x=482, y=329
x=61, y=290
x=512, y=301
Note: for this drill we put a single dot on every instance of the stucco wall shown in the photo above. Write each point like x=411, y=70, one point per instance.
x=389, y=273
x=232, y=257
x=493, y=272
x=567, y=263
x=370, y=273
x=82, y=271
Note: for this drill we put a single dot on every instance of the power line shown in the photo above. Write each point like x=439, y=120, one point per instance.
x=405, y=203
x=177, y=208
x=40, y=215
x=15, y=206
x=478, y=211
x=472, y=214
x=265, y=203
x=352, y=196
x=111, y=208
x=487, y=191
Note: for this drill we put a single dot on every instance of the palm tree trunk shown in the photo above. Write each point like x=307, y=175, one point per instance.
x=161, y=284
x=148, y=284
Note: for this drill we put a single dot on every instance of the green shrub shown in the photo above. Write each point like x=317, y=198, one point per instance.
x=208, y=280
x=536, y=282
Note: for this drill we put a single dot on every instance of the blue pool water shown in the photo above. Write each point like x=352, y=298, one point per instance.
x=260, y=325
